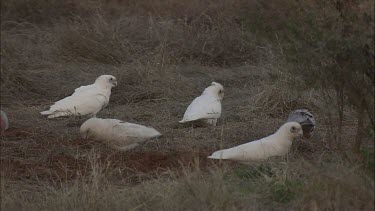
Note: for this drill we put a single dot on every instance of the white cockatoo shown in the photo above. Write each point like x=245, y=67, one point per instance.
x=118, y=134
x=277, y=144
x=305, y=119
x=206, y=107
x=4, y=122
x=86, y=100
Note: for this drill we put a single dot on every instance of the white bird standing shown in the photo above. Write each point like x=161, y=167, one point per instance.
x=86, y=100
x=4, y=122
x=118, y=134
x=277, y=144
x=206, y=107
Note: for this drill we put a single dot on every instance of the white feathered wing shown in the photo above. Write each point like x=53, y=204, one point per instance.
x=255, y=150
x=203, y=107
x=277, y=144
x=85, y=100
x=120, y=135
x=131, y=135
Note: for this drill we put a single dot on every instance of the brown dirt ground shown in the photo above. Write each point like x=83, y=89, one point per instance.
x=49, y=159
x=38, y=162
x=39, y=149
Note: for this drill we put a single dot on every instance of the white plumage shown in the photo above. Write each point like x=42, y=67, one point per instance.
x=277, y=144
x=207, y=106
x=86, y=100
x=118, y=134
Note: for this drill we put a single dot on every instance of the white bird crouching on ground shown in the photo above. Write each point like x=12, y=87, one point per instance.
x=86, y=100
x=277, y=144
x=4, y=122
x=206, y=107
x=118, y=134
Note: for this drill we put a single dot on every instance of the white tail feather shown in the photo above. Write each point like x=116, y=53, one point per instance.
x=48, y=112
x=218, y=155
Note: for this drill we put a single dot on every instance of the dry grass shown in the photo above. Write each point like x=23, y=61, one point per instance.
x=296, y=184
x=163, y=53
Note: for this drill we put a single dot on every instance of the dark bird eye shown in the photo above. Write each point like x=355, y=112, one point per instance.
x=111, y=79
x=293, y=128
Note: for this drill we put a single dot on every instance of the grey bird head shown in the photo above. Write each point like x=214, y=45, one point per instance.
x=305, y=119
